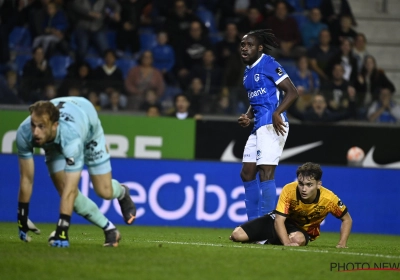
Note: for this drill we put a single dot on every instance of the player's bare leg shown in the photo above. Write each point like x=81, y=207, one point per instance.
x=108, y=188
x=239, y=235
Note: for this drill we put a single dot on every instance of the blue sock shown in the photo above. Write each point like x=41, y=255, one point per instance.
x=268, y=197
x=260, y=199
x=252, y=195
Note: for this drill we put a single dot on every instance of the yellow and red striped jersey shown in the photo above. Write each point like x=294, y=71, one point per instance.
x=309, y=216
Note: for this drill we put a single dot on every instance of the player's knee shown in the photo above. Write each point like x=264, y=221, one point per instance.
x=239, y=235
x=105, y=195
x=248, y=172
x=266, y=173
x=70, y=193
x=298, y=237
x=266, y=177
x=246, y=176
x=104, y=192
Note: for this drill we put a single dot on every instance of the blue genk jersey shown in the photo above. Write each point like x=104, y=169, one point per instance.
x=261, y=83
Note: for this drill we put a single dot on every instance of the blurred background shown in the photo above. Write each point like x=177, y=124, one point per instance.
x=165, y=56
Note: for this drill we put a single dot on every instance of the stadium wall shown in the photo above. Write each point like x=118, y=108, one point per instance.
x=206, y=194
x=217, y=140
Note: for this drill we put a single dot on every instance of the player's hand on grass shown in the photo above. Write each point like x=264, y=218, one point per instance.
x=244, y=120
x=293, y=244
x=24, y=226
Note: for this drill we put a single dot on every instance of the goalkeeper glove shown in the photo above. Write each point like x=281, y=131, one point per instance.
x=24, y=224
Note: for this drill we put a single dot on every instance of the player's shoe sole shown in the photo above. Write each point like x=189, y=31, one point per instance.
x=113, y=237
x=59, y=243
x=128, y=207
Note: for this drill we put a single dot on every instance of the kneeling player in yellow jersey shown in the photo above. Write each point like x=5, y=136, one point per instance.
x=301, y=208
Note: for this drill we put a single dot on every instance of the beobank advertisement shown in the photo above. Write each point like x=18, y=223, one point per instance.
x=204, y=194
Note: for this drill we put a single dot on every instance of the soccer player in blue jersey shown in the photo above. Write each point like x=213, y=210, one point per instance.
x=70, y=132
x=270, y=92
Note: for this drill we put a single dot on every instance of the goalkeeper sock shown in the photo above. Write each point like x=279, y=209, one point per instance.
x=118, y=190
x=268, y=197
x=62, y=227
x=252, y=195
x=23, y=212
x=86, y=208
x=109, y=226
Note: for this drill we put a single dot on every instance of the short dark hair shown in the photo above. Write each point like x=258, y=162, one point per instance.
x=45, y=107
x=310, y=169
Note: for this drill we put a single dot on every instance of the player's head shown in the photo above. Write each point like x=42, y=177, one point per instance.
x=318, y=104
x=309, y=180
x=44, y=121
x=255, y=43
x=153, y=111
x=182, y=103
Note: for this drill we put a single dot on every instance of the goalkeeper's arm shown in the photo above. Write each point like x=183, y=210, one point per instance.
x=26, y=170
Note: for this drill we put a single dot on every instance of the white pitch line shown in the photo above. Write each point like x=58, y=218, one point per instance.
x=266, y=247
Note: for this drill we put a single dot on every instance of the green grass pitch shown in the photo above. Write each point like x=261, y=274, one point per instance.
x=189, y=253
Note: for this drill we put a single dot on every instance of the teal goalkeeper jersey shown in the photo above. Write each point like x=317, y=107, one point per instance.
x=78, y=124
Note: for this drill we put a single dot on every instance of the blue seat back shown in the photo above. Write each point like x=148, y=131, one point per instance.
x=20, y=39
x=59, y=65
x=148, y=40
x=125, y=64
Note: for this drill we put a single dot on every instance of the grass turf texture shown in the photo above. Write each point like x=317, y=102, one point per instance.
x=187, y=253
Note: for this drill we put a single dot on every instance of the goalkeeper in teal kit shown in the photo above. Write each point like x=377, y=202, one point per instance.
x=70, y=132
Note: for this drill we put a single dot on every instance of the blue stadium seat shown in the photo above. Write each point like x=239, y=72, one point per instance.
x=300, y=19
x=295, y=4
x=94, y=61
x=125, y=65
x=290, y=69
x=73, y=44
x=148, y=40
x=112, y=39
x=313, y=4
x=288, y=64
x=20, y=39
x=215, y=38
x=20, y=61
x=170, y=92
x=59, y=65
x=208, y=19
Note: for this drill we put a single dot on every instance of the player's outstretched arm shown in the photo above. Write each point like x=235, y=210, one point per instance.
x=281, y=230
x=345, y=229
x=26, y=170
